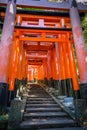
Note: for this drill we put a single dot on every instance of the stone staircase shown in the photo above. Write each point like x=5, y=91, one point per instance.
x=42, y=112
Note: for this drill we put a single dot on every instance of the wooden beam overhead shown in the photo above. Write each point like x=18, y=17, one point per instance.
x=45, y=4
x=35, y=48
x=36, y=57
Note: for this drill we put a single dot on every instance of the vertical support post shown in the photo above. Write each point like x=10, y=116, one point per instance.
x=49, y=68
x=40, y=73
x=68, y=77
x=23, y=67
x=5, y=47
x=20, y=62
x=62, y=85
x=19, y=69
x=45, y=71
x=12, y=70
x=56, y=66
x=81, y=53
x=73, y=71
x=80, y=47
x=6, y=40
x=53, y=65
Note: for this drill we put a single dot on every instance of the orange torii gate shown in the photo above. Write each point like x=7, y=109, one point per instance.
x=41, y=31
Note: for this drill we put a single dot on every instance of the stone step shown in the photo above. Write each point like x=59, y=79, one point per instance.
x=44, y=114
x=38, y=95
x=40, y=102
x=43, y=109
x=39, y=99
x=37, y=91
x=49, y=123
x=42, y=105
x=67, y=128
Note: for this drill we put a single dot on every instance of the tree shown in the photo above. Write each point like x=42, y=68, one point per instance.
x=84, y=26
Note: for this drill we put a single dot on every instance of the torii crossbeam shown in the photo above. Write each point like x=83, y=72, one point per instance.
x=46, y=4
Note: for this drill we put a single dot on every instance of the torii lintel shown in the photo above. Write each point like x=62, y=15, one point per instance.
x=45, y=4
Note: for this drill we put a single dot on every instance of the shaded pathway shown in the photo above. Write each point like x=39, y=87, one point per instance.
x=42, y=111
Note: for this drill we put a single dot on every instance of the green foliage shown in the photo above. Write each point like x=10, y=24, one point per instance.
x=0, y=31
x=84, y=22
x=84, y=26
x=33, y=9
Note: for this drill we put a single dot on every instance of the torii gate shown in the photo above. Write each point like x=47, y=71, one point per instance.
x=8, y=29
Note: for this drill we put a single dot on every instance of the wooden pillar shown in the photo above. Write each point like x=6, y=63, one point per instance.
x=45, y=71
x=19, y=67
x=68, y=73
x=13, y=69
x=80, y=47
x=45, y=67
x=5, y=50
x=6, y=40
x=55, y=68
x=62, y=76
x=39, y=73
x=79, y=42
x=57, y=61
x=23, y=67
x=73, y=70
x=49, y=65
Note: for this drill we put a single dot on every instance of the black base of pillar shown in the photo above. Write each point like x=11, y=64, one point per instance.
x=80, y=111
x=76, y=94
x=11, y=96
x=83, y=91
x=56, y=84
x=16, y=86
x=51, y=82
x=69, y=87
x=80, y=101
x=24, y=81
x=63, y=87
x=45, y=81
x=3, y=97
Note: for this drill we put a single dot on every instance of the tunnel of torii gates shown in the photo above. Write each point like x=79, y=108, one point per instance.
x=38, y=45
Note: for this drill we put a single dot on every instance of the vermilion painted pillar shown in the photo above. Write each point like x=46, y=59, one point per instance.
x=57, y=61
x=62, y=68
x=12, y=69
x=40, y=73
x=23, y=67
x=66, y=61
x=12, y=66
x=73, y=70
x=45, y=68
x=80, y=47
x=17, y=58
x=5, y=46
x=49, y=62
x=68, y=74
x=19, y=69
x=23, y=64
x=6, y=40
x=55, y=65
x=45, y=71
x=30, y=76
